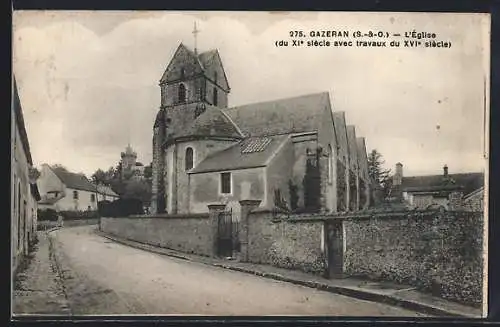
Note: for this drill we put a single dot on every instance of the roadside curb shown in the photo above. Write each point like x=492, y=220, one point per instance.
x=346, y=291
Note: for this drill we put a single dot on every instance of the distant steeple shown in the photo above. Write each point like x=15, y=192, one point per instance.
x=195, y=32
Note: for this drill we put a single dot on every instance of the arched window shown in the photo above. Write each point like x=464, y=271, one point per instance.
x=215, y=96
x=182, y=93
x=189, y=158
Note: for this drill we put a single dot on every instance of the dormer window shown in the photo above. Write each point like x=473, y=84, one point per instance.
x=182, y=93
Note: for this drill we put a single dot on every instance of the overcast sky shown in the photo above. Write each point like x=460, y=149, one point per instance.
x=88, y=81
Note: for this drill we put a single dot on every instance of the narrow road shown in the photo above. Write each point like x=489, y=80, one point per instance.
x=103, y=277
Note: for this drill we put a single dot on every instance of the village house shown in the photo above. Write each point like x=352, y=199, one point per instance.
x=464, y=191
x=24, y=191
x=62, y=190
x=293, y=153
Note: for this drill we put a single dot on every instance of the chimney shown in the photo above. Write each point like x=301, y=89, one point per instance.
x=397, y=179
x=445, y=171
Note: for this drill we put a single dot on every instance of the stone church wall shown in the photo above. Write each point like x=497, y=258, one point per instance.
x=292, y=245
x=185, y=233
x=246, y=184
x=435, y=252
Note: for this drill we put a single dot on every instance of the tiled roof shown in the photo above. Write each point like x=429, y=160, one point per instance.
x=206, y=58
x=290, y=115
x=211, y=123
x=106, y=190
x=235, y=157
x=468, y=182
x=74, y=181
x=18, y=111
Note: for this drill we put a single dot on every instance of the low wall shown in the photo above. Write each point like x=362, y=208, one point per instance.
x=185, y=233
x=436, y=252
x=285, y=243
x=80, y=222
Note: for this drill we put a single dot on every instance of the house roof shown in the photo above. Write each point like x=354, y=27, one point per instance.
x=106, y=190
x=291, y=115
x=18, y=112
x=74, y=181
x=467, y=182
x=251, y=152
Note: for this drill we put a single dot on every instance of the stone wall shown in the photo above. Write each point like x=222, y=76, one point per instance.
x=185, y=233
x=439, y=252
x=285, y=243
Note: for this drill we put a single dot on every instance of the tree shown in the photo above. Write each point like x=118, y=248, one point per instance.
x=138, y=189
x=148, y=171
x=103, y=177
x=380, y=176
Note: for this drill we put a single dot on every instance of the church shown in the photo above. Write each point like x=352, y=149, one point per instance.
x=296, y=154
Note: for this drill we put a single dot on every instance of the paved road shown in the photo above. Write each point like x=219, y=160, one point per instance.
x=103, y=277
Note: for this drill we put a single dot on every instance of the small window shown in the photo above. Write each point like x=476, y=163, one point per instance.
x=92, y=197
x=189, y=158
x=183, y=72
x=75, y=195
x=225, y=181
x=215, y=96
x=182, y=93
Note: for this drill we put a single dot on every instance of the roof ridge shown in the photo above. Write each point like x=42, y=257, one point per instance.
x=280, y=99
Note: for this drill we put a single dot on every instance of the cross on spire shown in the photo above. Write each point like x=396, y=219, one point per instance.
x=195, y=32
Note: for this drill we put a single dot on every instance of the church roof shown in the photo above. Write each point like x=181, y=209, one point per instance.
x=353, y=147
x=291, y=115
x=206, y=58
x=249, y=153
x=211, y=123
x=204, y=62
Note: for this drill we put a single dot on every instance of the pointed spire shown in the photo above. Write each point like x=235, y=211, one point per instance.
x=195, y=32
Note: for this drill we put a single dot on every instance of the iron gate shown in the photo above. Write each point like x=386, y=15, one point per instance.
x=227, y=234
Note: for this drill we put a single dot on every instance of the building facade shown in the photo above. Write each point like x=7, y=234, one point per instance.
x=24, y=191
x=293, y=153
x=451, y=191
x=62, y=190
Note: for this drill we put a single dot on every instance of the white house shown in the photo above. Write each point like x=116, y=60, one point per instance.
x=62, y=190
x=105, y=193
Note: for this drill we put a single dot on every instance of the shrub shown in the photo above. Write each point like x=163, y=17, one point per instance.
x=47, y=215
x=75, y=215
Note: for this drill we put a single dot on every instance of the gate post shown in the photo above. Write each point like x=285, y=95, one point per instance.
x=335, y=248
x=213, y=213
x=247, y=206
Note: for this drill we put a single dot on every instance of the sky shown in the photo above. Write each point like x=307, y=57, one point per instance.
x=88, y=81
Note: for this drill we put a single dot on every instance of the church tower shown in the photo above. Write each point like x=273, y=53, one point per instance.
x=190, y=82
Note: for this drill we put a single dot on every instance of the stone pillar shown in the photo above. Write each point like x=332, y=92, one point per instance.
x=213, y=211
x=334, y=235
x=247, y=206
